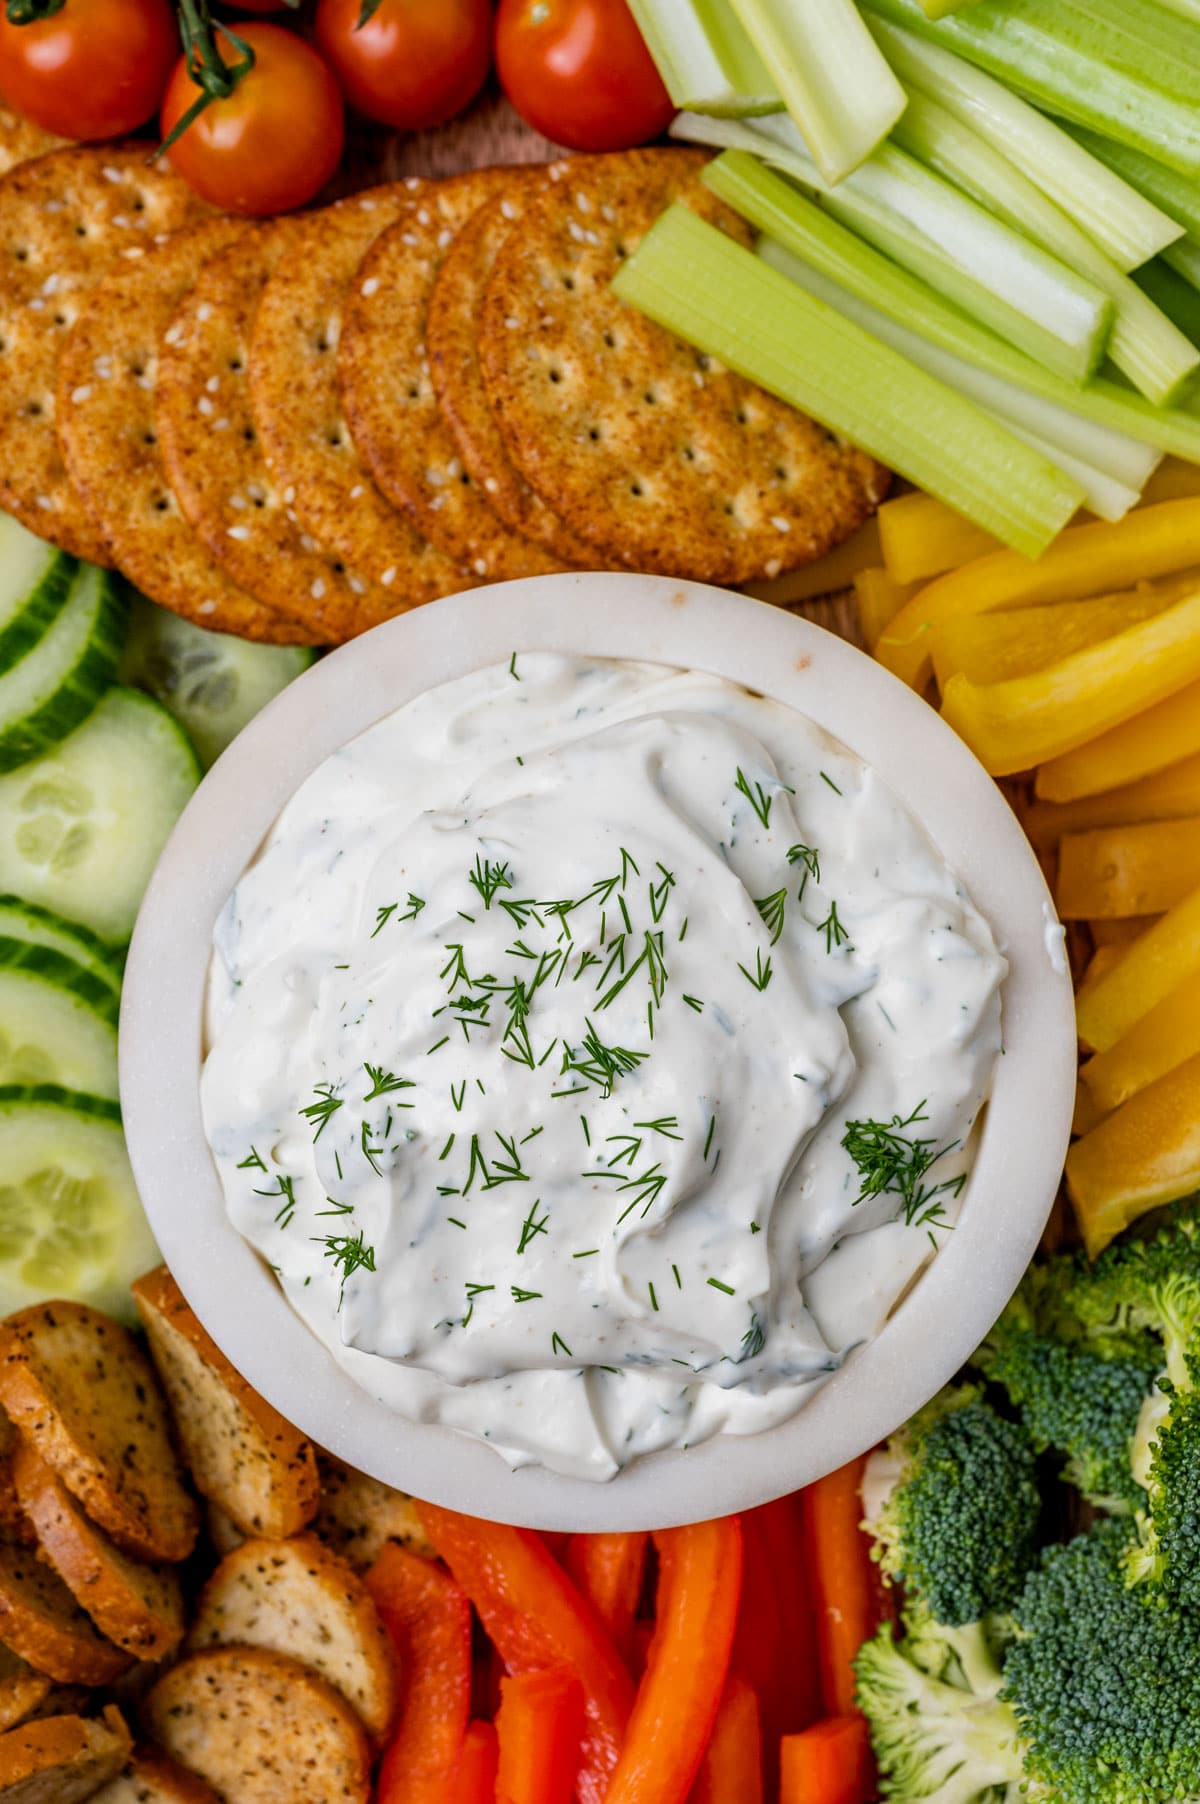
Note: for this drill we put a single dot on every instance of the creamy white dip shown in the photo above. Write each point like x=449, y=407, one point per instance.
x=560, y=1038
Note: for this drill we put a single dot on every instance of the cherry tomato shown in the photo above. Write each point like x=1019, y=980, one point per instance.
x=275, y=141
x=94, y=69
x=415, y=63
x=579, y=72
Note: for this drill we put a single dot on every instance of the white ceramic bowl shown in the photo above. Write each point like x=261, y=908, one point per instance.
x=1024, y=1139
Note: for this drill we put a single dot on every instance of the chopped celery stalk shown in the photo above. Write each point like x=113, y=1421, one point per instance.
x=774, y=206
x=834, y=81
x=704, y=56
x=1173, y=296
x=1112, y=470
x=1126, y=226
x=1178, y=196
x=1145, y=344
x=1125, y=68
x=941, y=234
x=698, y=283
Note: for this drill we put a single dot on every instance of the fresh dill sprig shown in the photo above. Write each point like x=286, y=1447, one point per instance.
x=383, y=916
x=559, y=1345
x=531, y=1227
x=757, y=797
x=760, y=977
x=253, y=1161
x=489, y=877
x=348, y=1254
x=659, y=892
x=370, y=1152
x=318, y=1113
x=414, y=905
x=523, y=1296
x=383, y=1083
x=835, y=934
x=891, y=1162
x=773, y=909
x=810, y=859
x=600, y=1064
x=285, y=1188
x=754, y=1339
x=666, y=1125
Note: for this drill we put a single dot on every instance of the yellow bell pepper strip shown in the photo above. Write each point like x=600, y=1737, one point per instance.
x=1152, y=741
x=1087, y=1113
x=1120, y=933
x=1166, y=955
x=880, y=598
x=1116, y=872
x=1162, y=1040
x=922, y=537
x=1165, y=795
x=1102, y=961
x=836, y=570
x=1145, y=1154
x=990, y=648
x=1083, y=561
x=1014, y=725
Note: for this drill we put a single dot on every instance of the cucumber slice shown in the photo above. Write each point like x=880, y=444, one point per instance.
x=71, y=1224
x=58, y=1023
x=213, y=683
x=82, y=827
x=20, y=920
x=35, y=580
x=57, y=684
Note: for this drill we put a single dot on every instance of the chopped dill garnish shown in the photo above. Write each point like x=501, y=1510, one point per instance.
x=523, y=1296
x=826, y=778
x=600, y=1064
x=348, y=1256
x=754, y=1339
x=489, y=877
x=336, y=1208
x=383, y=916
x=810, y=859
x=531, y=1227
x=587, y=1253
x=757, y=797
x=458, y=1097
x=760, y=977
x=254, y=1161
x=512, y=668
x=327, y=1103
x=893, y=1163
x=835, y=934
x=678, y=1279
x=694, y=1002
x=285, y=1188
x=653, y=1298
x=727, y=1288
x=666, y=1125
x=712, y=1128
x=773, y=909
x=369, y=1151
x=559, y=1345
x=383, y=1083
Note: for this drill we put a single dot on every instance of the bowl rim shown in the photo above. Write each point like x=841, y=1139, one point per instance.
x=654, y=619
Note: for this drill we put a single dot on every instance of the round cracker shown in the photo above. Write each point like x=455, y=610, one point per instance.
x=214, y=459
x=388, y=393
x=65, y=219
x=105, y=412
x=452, y=340
x=298, y=407
x=21, y=140
x=642, y=444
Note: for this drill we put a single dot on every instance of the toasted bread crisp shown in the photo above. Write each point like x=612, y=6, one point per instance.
x=300, y=1599
x=64, y=220
x=261, y=1729
x=452, y=338
x=212, y=453
x=152, y=1778
x=81, y=1391
x=359, y=1516
x=644, y=445
x=105, y=412
x=388, y=390
x=244, y=1456
x=139, y=1607
x=62, y=1759
x=41, y=1622
x=298, y=412
x=21, y=140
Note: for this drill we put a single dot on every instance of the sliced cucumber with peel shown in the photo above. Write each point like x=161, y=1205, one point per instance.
x=21, y=920
x=213, y=683
x=71, y=1224
x=82, y=827
x=58, y=1022
x=55, y=686
x=35, y=581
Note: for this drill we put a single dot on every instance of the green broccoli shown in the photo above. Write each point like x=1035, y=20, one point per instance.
x=953, y=1508
x=1167, y=1552
x=1100, y=1698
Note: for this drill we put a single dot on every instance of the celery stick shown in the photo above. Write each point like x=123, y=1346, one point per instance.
x=774, y=206
x=1111, y=469
x=1173, y=296
x=1125, y=68
x=1125, y=225
x=834, y=81
x=940, y=234
x=697, y=282
x=707, y=62
x=1144, y=344
x=1178, y=196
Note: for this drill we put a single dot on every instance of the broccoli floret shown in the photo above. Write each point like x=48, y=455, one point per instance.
x=1144, y=1286
x=957, y=1523
x=1166, y=1553
x=1104, y=1685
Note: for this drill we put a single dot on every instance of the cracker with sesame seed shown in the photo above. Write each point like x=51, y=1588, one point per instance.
x=452, y=340
x=644, y=445
x=65, y=219
x=298, y=410
x=388, y=392
x=213, y=456
x=21, y=140
x=105, y=413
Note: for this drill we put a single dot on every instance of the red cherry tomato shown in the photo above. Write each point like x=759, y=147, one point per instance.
x=275, y=141
x=415, y=63
x=579, y=72
x=94, y=69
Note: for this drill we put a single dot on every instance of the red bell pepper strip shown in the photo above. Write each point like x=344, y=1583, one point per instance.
x=828, y=1764
x=540, y=1725
x=475, y=1779
x=776, y=1643
x=535, y=1618
x=838, y=1557
x=429, y=1620
x=609, y=1569
x=699, y=1587
x=731, y=1769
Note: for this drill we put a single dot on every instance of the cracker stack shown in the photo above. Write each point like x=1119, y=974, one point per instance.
x=294, y=431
